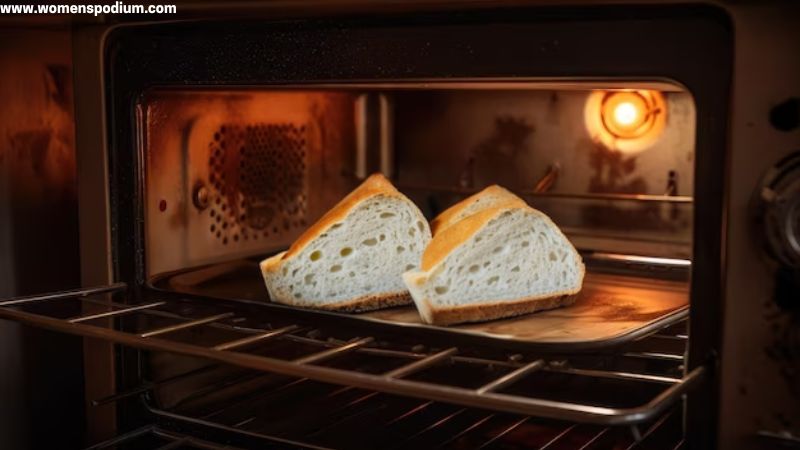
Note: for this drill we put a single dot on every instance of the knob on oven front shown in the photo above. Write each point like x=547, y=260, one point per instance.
x=778, y=215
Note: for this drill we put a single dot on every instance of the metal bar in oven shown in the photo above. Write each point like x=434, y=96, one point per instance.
x=558, y=437
x=122, y=438
x=256, y=338
x=144, y=387
x=115, y=312
x=336, y=351
x=438, y=423
x=191, y=440
x=654, y=355
x=639, y=439
x=62, y=295
x=259, y=397
x=613, y=375
x=505, y=431
x=584, y=196
x=511, y=377
x=423, y=363
x=595, y=438
x=390, y=384
x=269, y=441
x=667, y=337
x=463, y=432
x=409, y=413
x=185, y=325
x=177, y=443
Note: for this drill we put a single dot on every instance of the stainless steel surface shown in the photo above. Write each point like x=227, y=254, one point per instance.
x=183, y=326
x=654, y=355
x=256, y=338
x=511, y=377
x=115, y=312
x=422, y=364
x=52, y=296
x=392, y=381
x=334, y=352
x=610, y=310
x=533, y=193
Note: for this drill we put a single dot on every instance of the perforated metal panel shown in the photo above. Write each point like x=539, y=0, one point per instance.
x=240, y=173
x=258, y=178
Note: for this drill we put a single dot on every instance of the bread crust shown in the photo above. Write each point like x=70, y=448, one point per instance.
x=271, y=264
x=375, y=185
x=498, y=310
x=448, y=217
x=371, y=302
x=452, y=237
x=449, y=239
x=360, y=304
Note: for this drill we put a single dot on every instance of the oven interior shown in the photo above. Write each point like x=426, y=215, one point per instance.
x=240, y=173
x=233, y=175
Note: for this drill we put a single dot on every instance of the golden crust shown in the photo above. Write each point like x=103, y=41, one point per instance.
x=451, y=237
x=360, y=304
x=451, y=215
x=498, y=310
x=271, y=264
x=375, y=184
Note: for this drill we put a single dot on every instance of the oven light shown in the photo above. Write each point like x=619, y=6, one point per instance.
x=626, y=113
x=626, y=120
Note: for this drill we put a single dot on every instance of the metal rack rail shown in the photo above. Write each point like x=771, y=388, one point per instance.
x=493, y=395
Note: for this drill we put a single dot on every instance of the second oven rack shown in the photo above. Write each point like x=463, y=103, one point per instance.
x=97, y=320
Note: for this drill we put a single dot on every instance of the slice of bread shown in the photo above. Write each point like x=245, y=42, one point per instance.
x=491, y=196
x=352, y=259
x=502, y=261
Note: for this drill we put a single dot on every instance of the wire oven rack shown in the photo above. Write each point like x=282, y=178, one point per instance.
x=445, y=428
x=93, y=313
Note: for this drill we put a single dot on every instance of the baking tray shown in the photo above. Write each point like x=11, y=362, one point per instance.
x=611, y=309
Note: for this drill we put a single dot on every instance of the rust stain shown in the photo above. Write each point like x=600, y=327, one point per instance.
x=611, y=170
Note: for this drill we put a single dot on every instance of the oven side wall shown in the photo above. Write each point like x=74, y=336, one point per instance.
x=756, y=392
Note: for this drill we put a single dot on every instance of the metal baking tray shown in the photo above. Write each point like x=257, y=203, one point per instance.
x=612, y=309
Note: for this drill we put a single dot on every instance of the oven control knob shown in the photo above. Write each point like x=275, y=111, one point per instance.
x=778, y=217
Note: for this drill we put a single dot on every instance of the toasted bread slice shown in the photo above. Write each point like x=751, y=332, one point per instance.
x=353, y=257
x=502, y=261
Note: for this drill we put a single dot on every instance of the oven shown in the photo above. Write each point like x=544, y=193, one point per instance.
x=645, y=131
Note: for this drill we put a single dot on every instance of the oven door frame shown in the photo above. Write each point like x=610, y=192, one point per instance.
x=689, y=45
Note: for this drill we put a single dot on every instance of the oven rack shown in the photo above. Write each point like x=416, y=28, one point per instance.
x=446, y=428
x=99, y=322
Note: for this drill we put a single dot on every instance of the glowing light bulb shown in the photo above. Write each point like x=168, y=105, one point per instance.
x=626, y=113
